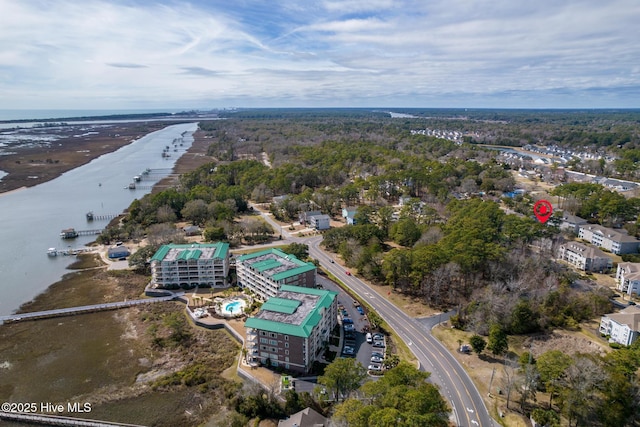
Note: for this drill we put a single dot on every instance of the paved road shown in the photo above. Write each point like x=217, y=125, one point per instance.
x=455, y=384
x=466, y=402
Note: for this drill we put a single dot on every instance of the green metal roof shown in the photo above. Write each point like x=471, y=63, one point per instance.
x=192, y=251
x=303, y=329
x=274, y=251
x=267, y=264
x=161, y=253
x=281, y=305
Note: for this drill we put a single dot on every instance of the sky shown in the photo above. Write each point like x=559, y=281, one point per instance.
x=142, y=54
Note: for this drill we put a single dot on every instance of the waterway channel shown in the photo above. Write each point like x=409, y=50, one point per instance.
x=31, y=219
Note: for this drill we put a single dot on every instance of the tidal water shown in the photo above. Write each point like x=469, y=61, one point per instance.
x=31, y=219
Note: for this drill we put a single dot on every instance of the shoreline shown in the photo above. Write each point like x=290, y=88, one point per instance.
x=183, y=164
x=30, y=165
x=95, y=344
x=15, y=190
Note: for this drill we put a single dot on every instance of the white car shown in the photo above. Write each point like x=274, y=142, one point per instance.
x=375, y=367
x=369, y=338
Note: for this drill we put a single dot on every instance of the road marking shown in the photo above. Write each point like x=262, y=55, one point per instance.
x=470, y=410
x=475, y=422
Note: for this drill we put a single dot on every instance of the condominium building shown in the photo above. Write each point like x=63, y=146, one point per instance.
x=584, y=257
x=266, y=271
x=623, y=327
x=190, y=265
x=615, y=241
x=628, y=278
x=292, y=328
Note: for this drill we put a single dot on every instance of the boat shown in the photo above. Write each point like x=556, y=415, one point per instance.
x=52, y=252
x=137, y=178
x=89, y=216
x=132, y=186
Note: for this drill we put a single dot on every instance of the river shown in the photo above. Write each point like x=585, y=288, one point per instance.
x=31, y=219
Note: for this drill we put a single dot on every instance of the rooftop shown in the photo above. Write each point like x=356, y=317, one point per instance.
x=584, y=250
x=615, y=235
x=293, y=311
x=630, y=316
x=194, y=251
x=275, y=264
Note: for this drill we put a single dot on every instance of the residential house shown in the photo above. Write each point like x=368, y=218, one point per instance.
x=190, y=265
x=320, y=222
x=305, y=418
x=616, y=241
x=192, y=230
x=292, y=328
x=628, y=278
x=305, y=217
x=264, y=272
x=571, y=223
x=583, y=257
x=622, y=327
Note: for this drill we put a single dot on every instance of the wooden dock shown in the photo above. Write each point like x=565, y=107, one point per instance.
x=61, y=312
x=103, y=217
x=89, y=232
x=57, y=420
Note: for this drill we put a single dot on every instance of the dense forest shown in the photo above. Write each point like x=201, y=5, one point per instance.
x=450, y=243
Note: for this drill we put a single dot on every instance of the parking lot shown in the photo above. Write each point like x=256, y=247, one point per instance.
x=354, y=325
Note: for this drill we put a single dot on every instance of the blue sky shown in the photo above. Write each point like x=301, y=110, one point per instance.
x=96, y=54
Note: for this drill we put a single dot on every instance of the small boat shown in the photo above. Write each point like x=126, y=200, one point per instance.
x=89, y=216
x=52, y=252
x=132, y=186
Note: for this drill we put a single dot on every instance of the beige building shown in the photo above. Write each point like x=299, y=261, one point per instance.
x=615, y=241
x=584, y=257
x=623, y=327
x=190, y=265
x=264, y=272
x=628, y=278
x=292, y=328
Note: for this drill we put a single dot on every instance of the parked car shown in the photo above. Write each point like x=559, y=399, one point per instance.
x=377, y=353
x=360, y=310
x=376, y=359
x=369, y=338
x=349, y=327
x=379, y=344
x=347, y=321
x=378, y=336
x=348, y=350
x=375, y=367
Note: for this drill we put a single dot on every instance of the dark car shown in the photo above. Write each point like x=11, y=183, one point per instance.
x=360, y=310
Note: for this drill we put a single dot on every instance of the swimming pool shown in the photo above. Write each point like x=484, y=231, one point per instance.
x=233, y=306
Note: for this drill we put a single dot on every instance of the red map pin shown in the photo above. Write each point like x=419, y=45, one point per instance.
x=542, y=210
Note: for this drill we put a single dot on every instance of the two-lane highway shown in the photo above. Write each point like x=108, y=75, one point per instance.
x=467, y=405
x=456, y=385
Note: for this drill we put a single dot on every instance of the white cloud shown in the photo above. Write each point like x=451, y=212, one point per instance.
x=79, y=54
